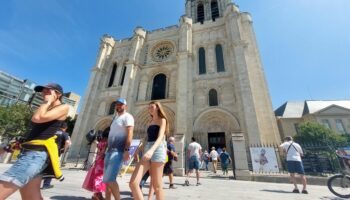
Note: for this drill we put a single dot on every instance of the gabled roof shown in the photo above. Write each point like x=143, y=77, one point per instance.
x=315, y=106
x=339, y=109
x=296, y=109
x=291, y=109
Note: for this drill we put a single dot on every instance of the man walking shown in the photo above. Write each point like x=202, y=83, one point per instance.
x=293, y=152
x=193, y=154
x=225, y=160
x=214, y=158
x=119, y=141
x=168, y=168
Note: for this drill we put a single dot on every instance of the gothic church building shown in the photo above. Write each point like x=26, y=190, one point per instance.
x=206, y=71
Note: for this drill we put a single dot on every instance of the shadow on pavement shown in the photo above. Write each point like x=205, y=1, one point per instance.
x=331, y=198
x=126, y=193
x=69, y=198
x=277, y=191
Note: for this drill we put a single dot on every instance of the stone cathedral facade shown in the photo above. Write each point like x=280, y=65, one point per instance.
x=206, y=71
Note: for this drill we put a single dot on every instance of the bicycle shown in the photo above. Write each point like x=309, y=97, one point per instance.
x=339, y=184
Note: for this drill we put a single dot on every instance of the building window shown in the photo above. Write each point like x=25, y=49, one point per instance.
x=200, y=13
x=296, y=127
x=201, y=60
x=111, y=78
x=340, y=125
x=112, y=108
x=213, y=97
x=214, y=9
x=123, y=76
x=326, y=123
x=159, y=87
x=219, y=58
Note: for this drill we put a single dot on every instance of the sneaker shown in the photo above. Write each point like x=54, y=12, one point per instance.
x=187, y=183
x=304, y=192
x=295, y=191
x=198, y=184
x=46, y=187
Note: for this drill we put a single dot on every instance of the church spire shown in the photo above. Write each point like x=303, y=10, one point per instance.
x=204, y=10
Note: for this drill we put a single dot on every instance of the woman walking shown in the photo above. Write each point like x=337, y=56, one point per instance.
x=40, y=151
x=154, y=156
x=94, y=181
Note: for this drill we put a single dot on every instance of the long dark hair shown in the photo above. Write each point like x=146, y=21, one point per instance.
x=161, y=114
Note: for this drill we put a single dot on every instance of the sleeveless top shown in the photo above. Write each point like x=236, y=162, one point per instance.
x=44, y=130
x=152, y=132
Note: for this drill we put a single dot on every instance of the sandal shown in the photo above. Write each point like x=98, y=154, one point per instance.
x=295, y=191
x=304, y=192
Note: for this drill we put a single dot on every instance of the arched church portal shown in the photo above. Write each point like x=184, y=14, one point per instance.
x=214, y=127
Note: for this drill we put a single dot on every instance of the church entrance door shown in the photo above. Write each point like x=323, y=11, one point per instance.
x=216, y=140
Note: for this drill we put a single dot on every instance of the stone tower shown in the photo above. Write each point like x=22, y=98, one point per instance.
x=206, y=71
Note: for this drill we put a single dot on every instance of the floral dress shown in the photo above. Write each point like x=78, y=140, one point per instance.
x=99, y=186
x=93, y=181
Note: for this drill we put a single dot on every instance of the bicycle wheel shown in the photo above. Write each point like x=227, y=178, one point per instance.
x=339, y=185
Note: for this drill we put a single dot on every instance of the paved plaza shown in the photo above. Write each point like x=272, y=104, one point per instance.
x=212, y=188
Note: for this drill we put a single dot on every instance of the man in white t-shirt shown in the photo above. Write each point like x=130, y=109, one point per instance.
x=293, y=153
x=194, y=152
x=119, y=141
x=214, y=158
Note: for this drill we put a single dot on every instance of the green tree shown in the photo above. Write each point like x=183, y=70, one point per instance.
x=14, y=120
x=316, y=133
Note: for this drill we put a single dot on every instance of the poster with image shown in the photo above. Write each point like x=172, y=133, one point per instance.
x=264, y=159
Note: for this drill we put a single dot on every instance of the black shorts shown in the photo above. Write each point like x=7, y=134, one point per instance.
x=168, y=168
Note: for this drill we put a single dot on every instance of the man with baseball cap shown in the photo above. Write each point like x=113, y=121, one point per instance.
x=119, y=141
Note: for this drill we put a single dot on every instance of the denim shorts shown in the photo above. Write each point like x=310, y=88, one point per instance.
x=194, y=163
x=113, y=163
x=295, y=167
x=29, y=165
x=159, y=154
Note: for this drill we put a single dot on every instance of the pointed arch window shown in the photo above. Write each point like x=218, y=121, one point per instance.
x=200, y=13
x=220, y=65
x=112, y=108
x=111, y=78
x=201, y=61
x=214, y=9
x=213, y=97
x=159, y=87
x=123, y=76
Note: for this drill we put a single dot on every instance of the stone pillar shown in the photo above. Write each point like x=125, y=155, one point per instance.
x=240, y=157
x=184, y=100
x=211, y=58
x=179, y=166
x=143, y=88
x=132, y=66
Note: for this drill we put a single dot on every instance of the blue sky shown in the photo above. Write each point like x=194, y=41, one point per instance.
x=304, y=44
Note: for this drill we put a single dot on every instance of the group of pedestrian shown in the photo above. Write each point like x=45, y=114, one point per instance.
x=41, y=149
x=40, y=152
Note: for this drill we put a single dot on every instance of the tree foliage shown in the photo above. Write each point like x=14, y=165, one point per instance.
x=14, y=120
x=315, y=133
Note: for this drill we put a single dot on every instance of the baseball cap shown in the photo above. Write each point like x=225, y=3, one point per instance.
x=54, y=86
x=121, y=100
